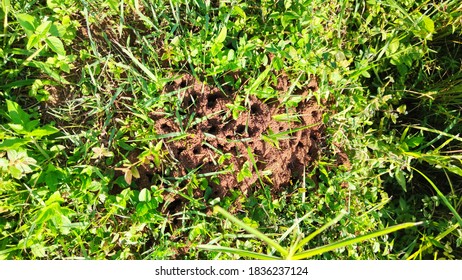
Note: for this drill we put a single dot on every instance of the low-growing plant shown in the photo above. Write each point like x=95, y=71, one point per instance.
x=295, y=252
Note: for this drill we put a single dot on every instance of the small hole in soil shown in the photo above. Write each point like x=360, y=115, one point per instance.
x=315, y=114
x=293, y=164
x=213, y=130
x=180, y=150
x=252, y=131
x=174, y=206
x=255, y=109
x=212, y=100
x=240, y=129
x=183, y=84
x=313, y=151
x=261, y=166
x=196, y=150
x=241, y=161
x=189, y=100
x=150, y=176
x=166, y=128
x=314, y=137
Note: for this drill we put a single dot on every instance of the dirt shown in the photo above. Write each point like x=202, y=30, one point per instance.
x=216, y=133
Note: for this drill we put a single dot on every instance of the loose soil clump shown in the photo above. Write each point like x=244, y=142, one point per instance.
x=215, y=144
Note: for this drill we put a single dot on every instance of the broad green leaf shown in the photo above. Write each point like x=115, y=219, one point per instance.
x=259, y=80
x=216, y=48
x=53, y=4
x=135, y=172
x=16, y=114
x=428, y=24
x=30, y=125
x=401, y=109
x=45, y=214
x=38, y=250
x=95, y=186
x=18, y=128
x=20, y=162
x=56, y=45
x=158, y=146
x=196, y=231
x=114, y=5
x=238, y=11
x=454, y=169
x=34, y=41
x=43, y=29
x=6, y=5
x=414, y=141
x=393, y=46
x=244, y=172
x=46, y=68
x=222, y=36
x=145, y=195
x=27, y=22
x=399, y=175
x=288, y=17
x=13, y=144
x=63, y=223
x=55, y=197
x=4, y=163
x=15, y=172
x=100, y=152
x=43, y=131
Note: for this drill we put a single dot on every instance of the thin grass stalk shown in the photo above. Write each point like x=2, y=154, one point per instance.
x=350, y=241
x=442, y=197
x=252, y=230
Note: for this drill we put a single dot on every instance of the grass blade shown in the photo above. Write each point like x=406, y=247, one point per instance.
x=137, y=62
x=321, y=229
x=428, y=245
x=242, y=253
x=252, y=230
x=443, y=197
x=350, y=241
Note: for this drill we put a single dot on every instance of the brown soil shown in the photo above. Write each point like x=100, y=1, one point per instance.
x=217, y=133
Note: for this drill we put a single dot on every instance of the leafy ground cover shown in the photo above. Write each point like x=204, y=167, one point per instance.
x=141, y=129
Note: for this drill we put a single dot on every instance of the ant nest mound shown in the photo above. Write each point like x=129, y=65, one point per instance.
x=257, y=147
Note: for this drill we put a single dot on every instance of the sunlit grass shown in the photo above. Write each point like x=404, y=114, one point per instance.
x=82, y=79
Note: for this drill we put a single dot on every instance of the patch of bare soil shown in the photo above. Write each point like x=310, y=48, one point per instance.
x=217, y=134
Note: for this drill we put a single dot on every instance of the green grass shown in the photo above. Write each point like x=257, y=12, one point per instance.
x=81, y=80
